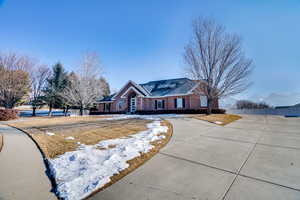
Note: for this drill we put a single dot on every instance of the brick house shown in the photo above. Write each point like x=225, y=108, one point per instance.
x=171, y=94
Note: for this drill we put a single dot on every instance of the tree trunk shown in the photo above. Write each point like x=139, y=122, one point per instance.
x=209, y=105
x=67, y=110
x=50, y=110
x=33, y=111
x=81, y=111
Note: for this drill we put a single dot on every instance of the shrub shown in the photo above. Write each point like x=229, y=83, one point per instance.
x=154, y=112
x=8, y=114
x=218, y=111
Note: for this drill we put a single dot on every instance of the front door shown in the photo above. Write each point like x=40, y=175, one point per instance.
x=132, y=104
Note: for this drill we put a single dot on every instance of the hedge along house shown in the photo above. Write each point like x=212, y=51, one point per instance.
x=164, y=95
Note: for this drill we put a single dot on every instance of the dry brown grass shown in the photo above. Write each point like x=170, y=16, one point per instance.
x=46, y=121
x=220, y=119
x=1, y=142
x=85, y=130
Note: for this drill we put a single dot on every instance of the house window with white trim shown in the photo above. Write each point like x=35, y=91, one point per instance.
x=121, y=104
x=159, y=104
x=179, y=103
x=106, y=107
x=203, y=101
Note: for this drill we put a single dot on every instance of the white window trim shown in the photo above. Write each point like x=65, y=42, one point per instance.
x=179, y=102
x=161, y=103
x=133, y=108
x=106, y=107
x=203, y=102
x=120, y=104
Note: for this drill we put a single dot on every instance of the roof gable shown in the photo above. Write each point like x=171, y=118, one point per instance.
x=130, y=84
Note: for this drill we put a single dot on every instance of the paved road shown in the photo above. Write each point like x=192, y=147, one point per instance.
x=22, y=171
x=257, y=157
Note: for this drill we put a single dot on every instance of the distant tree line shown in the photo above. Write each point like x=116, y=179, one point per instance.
x=24, y=80
x=246, y=104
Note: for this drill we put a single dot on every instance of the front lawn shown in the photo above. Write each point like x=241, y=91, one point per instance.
x=58, y=135
x=220, y=119
x=87, y=154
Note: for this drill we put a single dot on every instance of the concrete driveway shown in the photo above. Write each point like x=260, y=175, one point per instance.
x=257, y=157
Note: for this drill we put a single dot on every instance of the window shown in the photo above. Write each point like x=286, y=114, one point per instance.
x=159, y=104
x=107, y=107
x=203, y=101
x=121, y=103
x=179, y=103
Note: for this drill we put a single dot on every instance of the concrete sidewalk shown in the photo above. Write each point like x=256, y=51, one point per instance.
x=256, y=157
x=22, y=171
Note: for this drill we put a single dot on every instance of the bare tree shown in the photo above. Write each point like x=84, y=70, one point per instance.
x=38, y=76
x=215, y=58
x=84, y=84
x=105, y=86
x=14, y=78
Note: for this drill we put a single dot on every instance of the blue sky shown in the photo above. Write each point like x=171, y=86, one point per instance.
x=144, y=40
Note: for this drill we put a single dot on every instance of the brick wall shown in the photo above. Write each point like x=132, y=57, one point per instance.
x=192, y=101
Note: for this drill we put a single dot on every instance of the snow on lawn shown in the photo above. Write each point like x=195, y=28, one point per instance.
x=49, y=133
x=218, y=122
x=87, y=169
x=70, y=138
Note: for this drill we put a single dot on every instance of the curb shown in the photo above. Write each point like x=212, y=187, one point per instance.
x=1, y=142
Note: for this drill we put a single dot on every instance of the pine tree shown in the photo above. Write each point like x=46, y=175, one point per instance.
x=56, y=83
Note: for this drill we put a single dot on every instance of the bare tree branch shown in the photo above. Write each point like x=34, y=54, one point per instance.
x=85, y=84
x=14, y=78
x=215, y=59
x=38, y=76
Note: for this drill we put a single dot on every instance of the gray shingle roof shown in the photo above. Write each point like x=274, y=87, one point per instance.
x=169, y=87
x=297, y=105
x=179, y=86
x=107, y=98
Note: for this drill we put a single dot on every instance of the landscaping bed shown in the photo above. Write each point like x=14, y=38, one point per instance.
x=220, y=119
x=8, y=114
x=87, y=155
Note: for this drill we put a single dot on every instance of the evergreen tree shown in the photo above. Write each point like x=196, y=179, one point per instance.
x=56, y=83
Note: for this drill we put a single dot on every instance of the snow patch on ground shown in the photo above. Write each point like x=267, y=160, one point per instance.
x=87, y=169
x=49, y=133
x=218, y=122
x=70, y=138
